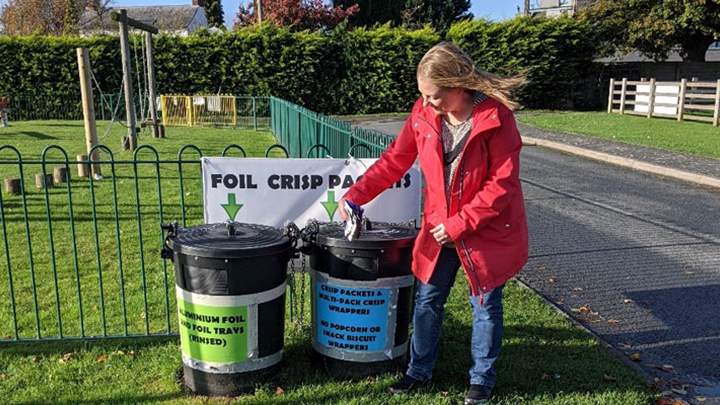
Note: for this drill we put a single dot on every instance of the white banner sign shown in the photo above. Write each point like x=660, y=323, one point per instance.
x=275, y=191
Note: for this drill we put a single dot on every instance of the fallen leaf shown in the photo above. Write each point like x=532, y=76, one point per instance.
x=444, y=393
x=118, y=352
x=34, y=359
x=65, y=358
x=657, y=384
x=3, y=376
x=679, y=391
x=609, y=378
x=635, y=356
x=700, y=399
x=585, y=309
x=627, y=301
x=101, y=358
x=279, y=391
x=131, y=354
x=551, y=280
x=577, y=289
x=668, y=400
x=613, y=321
x=664, y=367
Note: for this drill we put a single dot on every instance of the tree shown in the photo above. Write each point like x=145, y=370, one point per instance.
x=23, y=17
x=373, y=12
x=656, y=27
x=71, y=18
x=441, y=14
x=298, y=14
x=214, y=11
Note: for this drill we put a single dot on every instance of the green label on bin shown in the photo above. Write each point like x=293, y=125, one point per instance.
x=215, y=334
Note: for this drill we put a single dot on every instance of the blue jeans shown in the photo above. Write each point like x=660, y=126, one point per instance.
x=487, y=326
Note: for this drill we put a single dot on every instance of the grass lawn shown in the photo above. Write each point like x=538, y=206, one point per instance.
x=689, y=137
x=546, y=360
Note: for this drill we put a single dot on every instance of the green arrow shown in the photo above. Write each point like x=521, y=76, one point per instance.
x=330, y=205
x=232, y=207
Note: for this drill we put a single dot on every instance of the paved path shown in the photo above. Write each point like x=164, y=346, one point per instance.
x=633, y=257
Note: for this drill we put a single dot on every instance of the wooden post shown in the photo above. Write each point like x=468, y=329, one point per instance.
x=164, y=108
x=611, y=95
x=127, y=79
x=259, y=11
x=651, y=101
x=43, y=181
x=151, y=84
x=681, y=99
x=234, y=111
x=13, y=185
x=83, y=167
x=189, y=108
x=716, y=114
x=88, y=106
x=623, y=90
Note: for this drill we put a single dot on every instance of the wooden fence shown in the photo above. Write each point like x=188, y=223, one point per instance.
x=683, y=100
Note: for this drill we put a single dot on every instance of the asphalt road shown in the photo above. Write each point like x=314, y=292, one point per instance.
x=633, y=257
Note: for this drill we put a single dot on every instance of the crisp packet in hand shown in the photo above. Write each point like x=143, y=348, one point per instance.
x=354, y=221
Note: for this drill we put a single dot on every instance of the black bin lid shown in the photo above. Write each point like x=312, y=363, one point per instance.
x=381, y=235
x=229, y=240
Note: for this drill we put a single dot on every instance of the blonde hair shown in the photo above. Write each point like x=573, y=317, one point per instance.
x=446, y=65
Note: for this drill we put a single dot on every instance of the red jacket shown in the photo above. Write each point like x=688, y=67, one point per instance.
x=486, y=214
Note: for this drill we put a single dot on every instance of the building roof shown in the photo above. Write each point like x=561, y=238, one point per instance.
x=165, y=18
x=712, y=55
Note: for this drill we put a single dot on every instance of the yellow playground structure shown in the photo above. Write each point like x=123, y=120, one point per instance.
x=198, y=110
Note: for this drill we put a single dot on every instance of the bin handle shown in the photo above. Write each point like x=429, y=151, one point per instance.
x=171, y=231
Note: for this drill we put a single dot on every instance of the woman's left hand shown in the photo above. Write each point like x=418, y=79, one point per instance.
x=440, y=234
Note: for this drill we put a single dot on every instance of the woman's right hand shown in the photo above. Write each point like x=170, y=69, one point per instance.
x=341, y=208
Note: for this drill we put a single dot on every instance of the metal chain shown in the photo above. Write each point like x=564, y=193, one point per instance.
x=291, y=287
x=302, y=290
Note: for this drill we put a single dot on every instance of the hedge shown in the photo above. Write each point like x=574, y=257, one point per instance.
x=336, y=72
x=554, y=54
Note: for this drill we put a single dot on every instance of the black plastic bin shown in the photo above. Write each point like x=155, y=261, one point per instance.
x=230, y=286
x=362, y=296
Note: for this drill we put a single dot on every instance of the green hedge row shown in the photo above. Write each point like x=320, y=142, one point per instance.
x=338, y=72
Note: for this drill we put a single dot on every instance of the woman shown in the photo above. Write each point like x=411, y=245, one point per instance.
x=464, y=133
